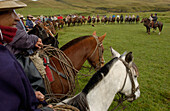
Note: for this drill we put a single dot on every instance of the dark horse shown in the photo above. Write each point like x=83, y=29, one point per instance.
x=98, y=20
x=104, y=20
x=45, y=34
x=137, y=19
x=121, y=19
x=79, y=50
x=146, y=22
x=89, y=20
x=118, y=19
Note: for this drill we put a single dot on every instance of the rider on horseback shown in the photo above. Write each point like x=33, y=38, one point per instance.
x=151, y=18
x=118, y=17
x=121, y=17
x=93, y=17
x=154, y=20
x=113, y=16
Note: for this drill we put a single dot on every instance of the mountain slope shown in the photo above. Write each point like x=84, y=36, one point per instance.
x=94, y=6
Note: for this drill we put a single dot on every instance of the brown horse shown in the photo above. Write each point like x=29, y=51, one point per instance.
x=104, y=20
x=50, y=26
x=68, y=21
x=93, y=20
x=89, y=20
x=98, y=20
x=79, y=50
x=80, y=20
x=146, y=22
x=60, y=23
x=84, y=20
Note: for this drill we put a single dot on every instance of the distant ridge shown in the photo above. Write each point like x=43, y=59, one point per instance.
x=97, y=6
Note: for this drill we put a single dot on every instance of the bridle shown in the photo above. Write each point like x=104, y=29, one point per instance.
x=122, y=96
x=99, y=46
x=41, y=31
x=128, y=70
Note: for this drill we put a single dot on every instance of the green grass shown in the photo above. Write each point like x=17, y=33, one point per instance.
x=151, y=54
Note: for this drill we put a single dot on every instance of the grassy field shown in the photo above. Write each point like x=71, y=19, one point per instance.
x=151, y=52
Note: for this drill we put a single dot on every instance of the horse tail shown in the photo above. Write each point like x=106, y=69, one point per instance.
x=160, y=24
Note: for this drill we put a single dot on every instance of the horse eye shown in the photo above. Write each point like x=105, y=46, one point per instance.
x=135, y=76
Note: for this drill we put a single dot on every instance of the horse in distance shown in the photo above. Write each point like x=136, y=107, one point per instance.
x=146, y=22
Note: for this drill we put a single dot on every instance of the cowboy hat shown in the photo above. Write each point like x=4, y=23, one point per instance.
x=11, y=4
x=29, y=16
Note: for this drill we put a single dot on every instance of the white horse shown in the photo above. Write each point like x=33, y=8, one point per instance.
x=117, y=76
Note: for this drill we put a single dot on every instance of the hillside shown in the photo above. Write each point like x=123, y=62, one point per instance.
x=94, y=6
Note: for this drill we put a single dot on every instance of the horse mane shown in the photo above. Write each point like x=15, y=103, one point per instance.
x=80, y=100
x=98, y=76
x=74, y=41
x=33, y=31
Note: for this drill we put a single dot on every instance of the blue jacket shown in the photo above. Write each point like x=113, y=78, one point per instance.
x=155, y=18
x=29, y=24
x=15, y=90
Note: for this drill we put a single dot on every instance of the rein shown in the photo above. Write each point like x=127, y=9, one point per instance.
x=122, y=97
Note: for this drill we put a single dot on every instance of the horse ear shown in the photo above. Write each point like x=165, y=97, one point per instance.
x=129, y=57
x=56, y=36
x=123, y=55
x=102, y=37
x=94, y=33
x=114, y=53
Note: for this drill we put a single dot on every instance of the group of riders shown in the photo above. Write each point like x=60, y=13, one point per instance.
x=75, y=18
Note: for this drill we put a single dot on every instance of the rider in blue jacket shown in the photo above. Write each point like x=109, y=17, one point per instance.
x=154, y=19
x=29, y=23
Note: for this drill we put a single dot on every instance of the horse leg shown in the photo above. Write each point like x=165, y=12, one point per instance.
x=160, y=29
x=148, y=30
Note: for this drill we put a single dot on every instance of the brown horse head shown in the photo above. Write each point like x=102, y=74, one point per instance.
x=96, y=58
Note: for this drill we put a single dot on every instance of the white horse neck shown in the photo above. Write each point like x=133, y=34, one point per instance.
x=101, y=88
x=102, y=95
